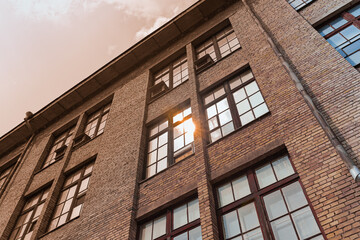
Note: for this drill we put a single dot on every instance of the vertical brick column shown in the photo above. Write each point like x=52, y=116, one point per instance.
x=206, y=199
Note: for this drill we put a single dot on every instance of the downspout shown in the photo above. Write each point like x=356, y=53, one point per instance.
x=26, y=119
x=354, y=170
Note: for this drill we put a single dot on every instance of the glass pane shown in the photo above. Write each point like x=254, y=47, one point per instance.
x=195, y=234
x=180, y=216
x=228, y=128
x=163, y=139
x=163, y=125
x=211, y=111
x=355, y=11
x=260, y=110
x=209, y=98
x=152, y=157
x=246, y=76
x=254, y=235
x=153, y=145
x=354, y=59
x=219, y=92
x=283, y=168
x=182, y=236
x=215, y=135
x=225, y=117
x=318, y=238
x=162, y=152
x=241, y=187
x=243, y=106
x=84, y=184
x=222, y=105
x=246, y=118
x=225, y=195
x=38, y=210
x=76, y=212
x=350, y=32
x=189, y=138
x=256, y=99
x=283, y=229
x=146, y=230
x=151, y=170
x=251, y=88
x=248, y=217
x=336, y=40
x=178, y=143
x=305, y=223
x=235, y=82
x=325, y=30
x=231, y=224
x=294, y=196
x=67, y=205
x=71, y=192
x=161, y=165
x=193, y=209
x=213, y=123
x=338, y=22
x=159, y=227
x=275, y=205
x=239, y=95
x=62, y=219
x=265, y=176
x=89, y=169
x=352, y=47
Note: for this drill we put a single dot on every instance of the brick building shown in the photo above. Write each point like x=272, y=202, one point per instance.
x=235, y=120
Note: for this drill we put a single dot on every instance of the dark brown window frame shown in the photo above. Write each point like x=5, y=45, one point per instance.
x=170, y=130
x=256, y=196
x=171, y=233
x=76, y=195
x=230, y=99
x=161, y=88
x=8, y=166
x=351, y=20
x=60, y=152
x=31, y=224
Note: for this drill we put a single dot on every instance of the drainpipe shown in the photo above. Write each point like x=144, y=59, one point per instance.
x=354, y=170
x=26, y=119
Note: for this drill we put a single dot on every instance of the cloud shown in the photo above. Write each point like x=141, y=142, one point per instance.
x=143, y=32
x=113, y=50
x=56, y=9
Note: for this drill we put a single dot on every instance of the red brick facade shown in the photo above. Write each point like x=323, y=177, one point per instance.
x=119, y=199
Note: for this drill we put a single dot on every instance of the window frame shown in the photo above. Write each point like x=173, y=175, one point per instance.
x=257, y=194
x=215, y=44
x=103, y=110
x=30, y=224
x=168, y=68
x=225, y=83
x=75, y=197
x=169, y=218
x=304, y=4
x=171, y=156
x=59, y=152
x=351, y=20
x=9, y=166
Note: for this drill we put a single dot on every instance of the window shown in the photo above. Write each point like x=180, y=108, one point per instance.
x=343, y=33
x=170, y=77
x=170, y=141
x=253, y=206
x=72, y=197
x=29, y=216
x=4, y=175
x=234, y=104
x=96, y=122
x=180, y=223
x=61, y=142
x=218, y=46
x=298, y=4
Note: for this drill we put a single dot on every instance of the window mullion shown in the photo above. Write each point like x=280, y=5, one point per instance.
x=75, y=195
x=216, y=48
x=171, y=68
x=170, y=155
x=232, y=106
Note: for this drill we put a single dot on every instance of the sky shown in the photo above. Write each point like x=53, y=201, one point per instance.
x=48, y=46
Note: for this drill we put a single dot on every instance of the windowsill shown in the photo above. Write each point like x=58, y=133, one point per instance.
x=85, y=142
x=59, y=227
x=146, y=179
x=42, y=169
x=240, y=128
x=211, y=65
x=165, y=92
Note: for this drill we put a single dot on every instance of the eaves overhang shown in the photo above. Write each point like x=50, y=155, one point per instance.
x=119, y=66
